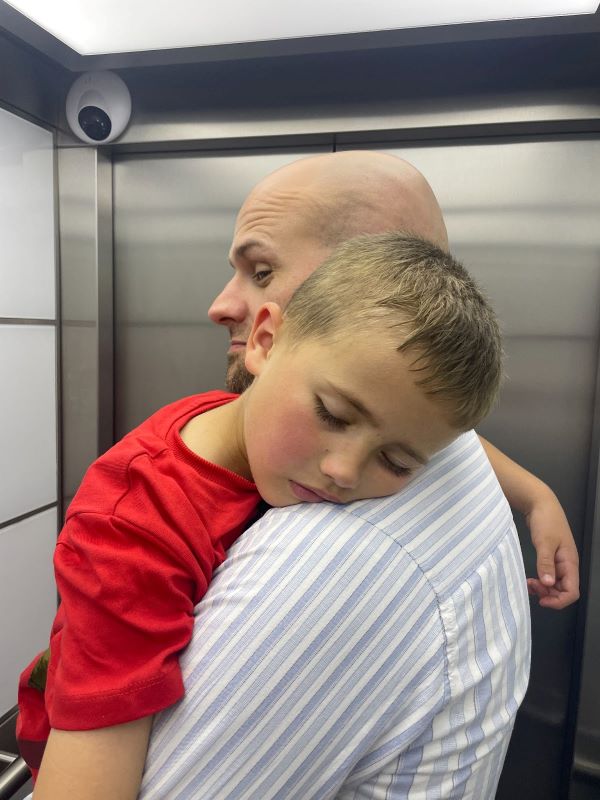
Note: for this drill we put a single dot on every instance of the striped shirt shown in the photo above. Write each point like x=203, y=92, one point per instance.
x=375, y=650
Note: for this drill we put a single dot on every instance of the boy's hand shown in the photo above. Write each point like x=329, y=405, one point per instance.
x=557, y=584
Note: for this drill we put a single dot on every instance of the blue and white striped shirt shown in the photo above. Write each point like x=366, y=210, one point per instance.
x=375, y=650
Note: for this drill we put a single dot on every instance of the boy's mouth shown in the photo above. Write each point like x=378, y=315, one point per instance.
x=308, y=495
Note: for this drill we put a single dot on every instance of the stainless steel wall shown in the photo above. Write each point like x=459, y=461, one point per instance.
x=85, y=206
x=523, y=215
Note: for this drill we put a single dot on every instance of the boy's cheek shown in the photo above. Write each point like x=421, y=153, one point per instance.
x=295, y=438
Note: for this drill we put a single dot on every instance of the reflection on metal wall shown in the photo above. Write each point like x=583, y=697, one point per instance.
x=523, y=216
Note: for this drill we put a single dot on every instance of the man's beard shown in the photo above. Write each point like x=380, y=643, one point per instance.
x=237, y=379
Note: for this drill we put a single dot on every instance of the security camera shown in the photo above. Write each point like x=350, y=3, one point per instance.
x=98, y=107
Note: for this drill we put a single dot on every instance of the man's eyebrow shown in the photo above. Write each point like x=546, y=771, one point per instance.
x=241, y=251
x=362, y=409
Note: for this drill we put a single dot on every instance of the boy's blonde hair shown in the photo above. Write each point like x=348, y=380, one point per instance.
x=399, y=281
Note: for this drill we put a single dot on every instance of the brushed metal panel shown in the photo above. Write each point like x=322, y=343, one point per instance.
x=85, y=203
x=105, y=300
x=160, y=361
x=173, y=223
x=189, y=121
x=523, y=216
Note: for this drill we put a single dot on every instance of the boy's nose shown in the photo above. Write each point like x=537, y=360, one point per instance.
x=229, y=306
x=344, y=469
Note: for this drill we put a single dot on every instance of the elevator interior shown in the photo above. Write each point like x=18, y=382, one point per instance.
x=504, y=122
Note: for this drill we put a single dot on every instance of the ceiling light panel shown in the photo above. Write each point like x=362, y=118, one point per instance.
x=117, y=26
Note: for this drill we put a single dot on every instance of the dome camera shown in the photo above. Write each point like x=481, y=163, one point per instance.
x=98, y=107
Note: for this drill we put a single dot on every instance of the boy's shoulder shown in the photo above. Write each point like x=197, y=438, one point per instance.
x=107, y=479
x=176, y=414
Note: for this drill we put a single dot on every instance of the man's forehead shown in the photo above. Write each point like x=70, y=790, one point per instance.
x=275, y=220
x=272, y=198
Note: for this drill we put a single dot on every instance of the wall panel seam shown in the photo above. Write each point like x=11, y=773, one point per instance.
x=27, y=515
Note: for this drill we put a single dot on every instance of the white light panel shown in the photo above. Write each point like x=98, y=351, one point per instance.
x=117, y=26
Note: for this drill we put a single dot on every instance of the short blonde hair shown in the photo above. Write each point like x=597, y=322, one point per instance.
x=399, y=281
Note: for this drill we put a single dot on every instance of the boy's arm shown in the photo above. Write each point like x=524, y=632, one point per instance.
x=557, y=585
x=94, y=765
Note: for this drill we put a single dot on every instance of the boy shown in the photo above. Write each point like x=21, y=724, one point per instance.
x=384, y=355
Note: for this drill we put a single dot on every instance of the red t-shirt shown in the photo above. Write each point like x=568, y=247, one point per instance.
x=150, y=523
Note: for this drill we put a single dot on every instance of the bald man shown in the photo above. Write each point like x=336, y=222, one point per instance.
x=295, y=217
x=375, y=649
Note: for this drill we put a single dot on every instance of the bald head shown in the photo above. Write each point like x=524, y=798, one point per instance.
x=293, y=220
x=360, y=192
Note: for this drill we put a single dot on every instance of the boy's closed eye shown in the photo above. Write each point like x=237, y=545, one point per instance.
x=338, y=424
x=327, y=417
x=397, y=469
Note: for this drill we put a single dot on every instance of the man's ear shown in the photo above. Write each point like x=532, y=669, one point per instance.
x=262, y=336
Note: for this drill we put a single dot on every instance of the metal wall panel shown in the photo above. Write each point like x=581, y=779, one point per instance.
x=174, y=219
x=85, y=202
x=523, y=216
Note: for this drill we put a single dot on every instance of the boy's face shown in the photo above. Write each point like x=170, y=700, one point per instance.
x=337, y=421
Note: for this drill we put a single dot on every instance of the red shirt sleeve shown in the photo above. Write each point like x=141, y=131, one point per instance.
x=126, y=613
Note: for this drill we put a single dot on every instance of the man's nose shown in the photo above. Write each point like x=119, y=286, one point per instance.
x=229, y=306
x=343, y=467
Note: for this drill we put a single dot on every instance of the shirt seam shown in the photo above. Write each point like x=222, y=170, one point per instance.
x=438, y=597
x=130, y=688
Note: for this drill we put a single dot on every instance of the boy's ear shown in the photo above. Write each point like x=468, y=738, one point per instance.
x=262, y=336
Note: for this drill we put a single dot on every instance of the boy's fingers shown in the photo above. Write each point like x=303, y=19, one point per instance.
x=545, y=567
x=536, y=588
x=556, y=603
x=551, y=596
x=569, y=583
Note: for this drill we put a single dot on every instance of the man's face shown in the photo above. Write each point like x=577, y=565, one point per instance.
x=338, y=421
x=273, y=251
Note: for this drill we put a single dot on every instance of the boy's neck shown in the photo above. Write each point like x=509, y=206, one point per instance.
x=217, y=436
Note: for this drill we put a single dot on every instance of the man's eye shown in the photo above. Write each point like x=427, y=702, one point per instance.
x=261, y=275
x=322, y=412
